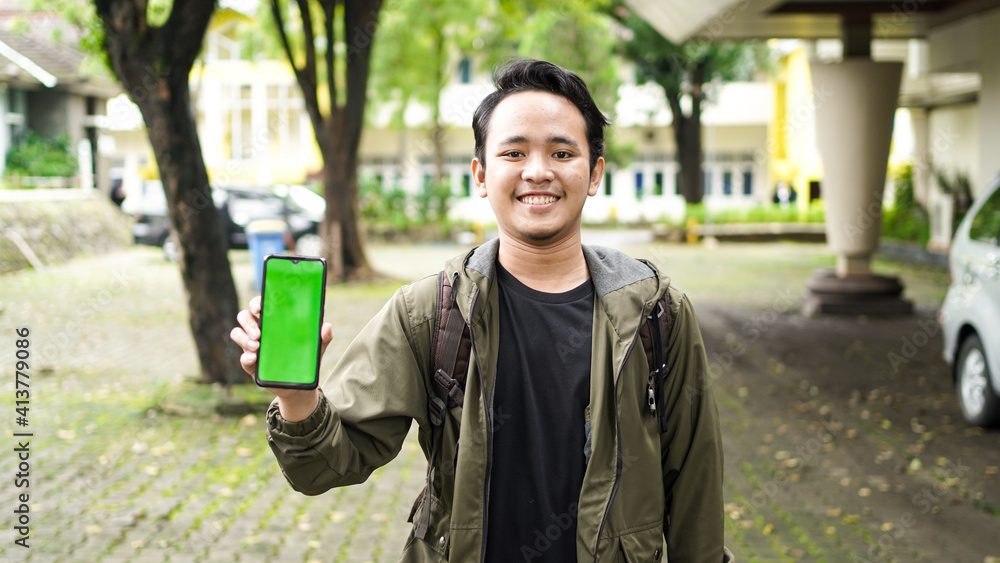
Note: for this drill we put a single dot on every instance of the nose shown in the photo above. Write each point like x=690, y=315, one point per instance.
x=537, y=168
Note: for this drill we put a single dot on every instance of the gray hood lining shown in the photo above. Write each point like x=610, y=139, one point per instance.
x=610, y=269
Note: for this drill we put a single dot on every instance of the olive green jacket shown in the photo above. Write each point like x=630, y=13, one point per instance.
x=382, y=383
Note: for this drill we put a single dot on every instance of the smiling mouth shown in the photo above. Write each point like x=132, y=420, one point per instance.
x=537, y=199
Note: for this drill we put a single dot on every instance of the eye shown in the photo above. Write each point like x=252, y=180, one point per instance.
x=563, y=154
x=513, y=154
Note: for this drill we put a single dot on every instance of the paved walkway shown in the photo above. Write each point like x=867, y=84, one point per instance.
x=820, y=434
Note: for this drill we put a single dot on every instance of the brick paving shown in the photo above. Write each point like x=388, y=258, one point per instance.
x=820, y=436
x=112, y=479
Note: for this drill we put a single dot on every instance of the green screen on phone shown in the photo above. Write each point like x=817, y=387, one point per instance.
x=292, y=298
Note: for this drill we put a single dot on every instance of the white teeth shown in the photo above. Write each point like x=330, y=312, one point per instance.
x=538, y=199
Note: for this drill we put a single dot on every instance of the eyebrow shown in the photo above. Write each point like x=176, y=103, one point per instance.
x=554, y=140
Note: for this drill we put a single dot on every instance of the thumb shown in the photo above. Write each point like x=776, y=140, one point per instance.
x=325, y=337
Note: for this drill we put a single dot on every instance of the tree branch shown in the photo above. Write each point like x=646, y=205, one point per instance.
x=188, y=18
x=310, y=41
x=360, y=22
x=279, y=22
x=125, y=33
x=330, y=15
x=698, y=76
x=674, y=99
x=308, y=88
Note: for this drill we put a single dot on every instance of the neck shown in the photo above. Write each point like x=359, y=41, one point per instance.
x=550, y=268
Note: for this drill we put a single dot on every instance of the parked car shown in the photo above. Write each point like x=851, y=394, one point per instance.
x=239, y=206
x=299, y=207
x=970, y=315
x=148, y=207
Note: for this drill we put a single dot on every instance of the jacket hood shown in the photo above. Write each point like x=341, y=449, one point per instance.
x=610, y=270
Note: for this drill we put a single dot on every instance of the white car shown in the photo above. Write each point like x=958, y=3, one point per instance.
x=971, y=312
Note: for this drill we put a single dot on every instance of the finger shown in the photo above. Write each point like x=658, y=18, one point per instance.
x=239, y=336
x=325, y=337
x=249, y=324
x=249, y=362
x=255, y=306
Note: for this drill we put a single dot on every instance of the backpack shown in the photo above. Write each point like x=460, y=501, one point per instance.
x=451, y=347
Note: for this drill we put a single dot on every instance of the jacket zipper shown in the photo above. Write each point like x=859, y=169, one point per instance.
x=618, y=431
x=489, y=429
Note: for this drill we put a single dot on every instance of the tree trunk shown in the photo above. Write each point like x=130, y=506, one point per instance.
x=342, y=228
x=340, y=154
x=437, y=128
x=687, y=137
x=153, y=64
x=338, y=134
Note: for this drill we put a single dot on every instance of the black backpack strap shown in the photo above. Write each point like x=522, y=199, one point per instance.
x=450, y=350
x=655, y=336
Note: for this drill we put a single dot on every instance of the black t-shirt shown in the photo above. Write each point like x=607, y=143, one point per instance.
x=542, y=390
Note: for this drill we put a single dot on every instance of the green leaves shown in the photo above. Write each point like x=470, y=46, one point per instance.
x=35, y=155
x=684, y=68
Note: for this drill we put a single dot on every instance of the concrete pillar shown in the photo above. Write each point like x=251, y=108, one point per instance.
x=5, y=137
x=854, y=129
x=854, y=120
x=989, y=104
x=922, y=180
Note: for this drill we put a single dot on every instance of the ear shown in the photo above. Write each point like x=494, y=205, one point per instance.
x=596, y=175
x=479, y=177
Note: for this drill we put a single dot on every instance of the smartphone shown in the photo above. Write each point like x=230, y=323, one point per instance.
x=293, y=293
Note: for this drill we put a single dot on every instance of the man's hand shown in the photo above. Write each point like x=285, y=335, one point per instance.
x=294, y=404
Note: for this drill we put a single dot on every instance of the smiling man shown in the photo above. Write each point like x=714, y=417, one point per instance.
x=552, y=455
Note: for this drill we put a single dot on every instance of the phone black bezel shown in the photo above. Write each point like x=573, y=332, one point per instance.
x=322, y=306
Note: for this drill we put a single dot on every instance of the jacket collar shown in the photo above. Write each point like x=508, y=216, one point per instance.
x=610, y=269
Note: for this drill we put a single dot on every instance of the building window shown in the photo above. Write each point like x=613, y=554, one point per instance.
x=658, y=183
x=465, y=70
x=706, y=182
x=985, y=226
x=284, y=108
x=237, y=114
x=638, y=185
x=748, y=182
x=467, y=185
x=227, y=49
x=607, y=183
x=727, y=183
x=677, y=182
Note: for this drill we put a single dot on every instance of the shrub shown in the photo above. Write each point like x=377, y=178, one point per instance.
x=380, y=205
x=392, y=211
x=768, y=213
x=33, y=155
x=906, y=219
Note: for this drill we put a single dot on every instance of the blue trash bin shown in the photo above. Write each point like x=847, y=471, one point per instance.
x=264, y=237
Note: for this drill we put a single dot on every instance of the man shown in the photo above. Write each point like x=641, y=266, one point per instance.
x=553, y=455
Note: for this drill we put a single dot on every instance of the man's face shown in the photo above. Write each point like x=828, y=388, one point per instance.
x=537, y=174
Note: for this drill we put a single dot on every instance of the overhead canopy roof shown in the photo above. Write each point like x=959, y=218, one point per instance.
x=680, y=20
x=29, y=60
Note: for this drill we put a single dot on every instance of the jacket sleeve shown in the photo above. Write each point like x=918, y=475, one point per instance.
x=691, y=447
x=366, y=405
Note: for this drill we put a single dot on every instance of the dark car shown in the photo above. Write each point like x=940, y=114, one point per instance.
x=301, y=209
x=148, y=207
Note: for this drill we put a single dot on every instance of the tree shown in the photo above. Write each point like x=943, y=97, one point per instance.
x=153, y=61
x=337, y=115
x=422, y=42
x=687, y=70
x=578, y=35
x=420, y=45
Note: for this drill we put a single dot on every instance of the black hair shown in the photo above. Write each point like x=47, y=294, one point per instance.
x=525, y=75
